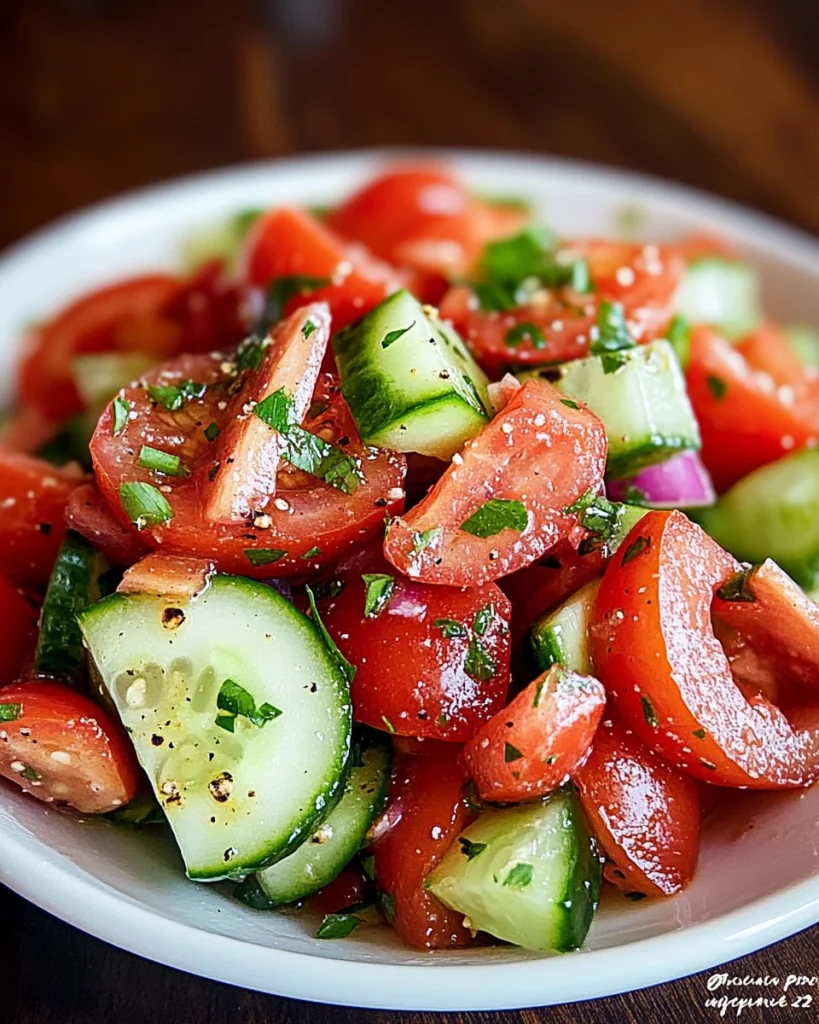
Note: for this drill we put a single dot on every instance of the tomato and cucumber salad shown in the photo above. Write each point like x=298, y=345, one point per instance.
x=412, y=564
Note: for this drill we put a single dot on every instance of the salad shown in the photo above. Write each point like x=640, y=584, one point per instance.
x=411, y=564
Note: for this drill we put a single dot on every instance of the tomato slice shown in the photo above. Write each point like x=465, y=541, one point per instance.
x=348, y=889
x=746, y=421
x=767, y=349
x=644, y=812
x=88, y=513
x=289, y=242
x=453, y=672
x=654, y=648
x=539, y=740
x=503, y=502
x=167, y=575
x=433, y=813
x=308, y=523
x=18, y=630
x=62, y=748
x=643, y=278
x=32, y=512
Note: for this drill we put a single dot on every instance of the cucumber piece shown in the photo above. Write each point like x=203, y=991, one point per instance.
x=72, y=587
x=340, y=836
x=804, y=342
x=100, y=376
x=721, y=292
x=562, y=636
x=773, y=513
x=526, y=874
x=220, y=241
x=244, y=791
x=643, y=404
x=410, y=381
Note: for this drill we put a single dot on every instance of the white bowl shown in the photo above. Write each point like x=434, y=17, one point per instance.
x=754, y=885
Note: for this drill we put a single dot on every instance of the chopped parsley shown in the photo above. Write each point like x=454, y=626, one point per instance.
x=307, y=328
x=252, y=894
x=10, y=712
x=496, y=515
x=569, y=403
x=379, y=590
x=388, y=724
x=311, y=552
x=277, y=410
x=511, y=753
x=483, y=619
x=173, y=396
x=421, y=541
x=717, y=387
x=249, y=353
x=612, y=337
x=637, y=547
x=469, y=849
x=388, y=906
x=160, y=462
x=737, y=589
x=234, y=701
x=520, y=876
x=346, y=668
x=600, y=517
x=393, y=336
x=211, y=431
x=119, y=413
x=338, y=926
x=479, y=663
x=524, y=332
x=679, y=337
x=699, y=733
x=280, y=292
x=144, y=505
x=30, y=774
x=649, y=713
x=264, y=556
x=450, y=628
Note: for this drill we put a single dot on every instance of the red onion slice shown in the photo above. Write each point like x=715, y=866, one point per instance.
x=680, y=482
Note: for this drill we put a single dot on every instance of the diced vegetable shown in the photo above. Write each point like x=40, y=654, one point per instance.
x=561, y=636
x=721, y=293
x=680, y=482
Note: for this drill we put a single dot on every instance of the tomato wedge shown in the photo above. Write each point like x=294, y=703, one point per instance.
x=429, y=787
x=88, y=513
x=453, y=671
x=348, y=889
x=286, y=243
x=746, y=421
x=503, y=502
x=32, y=513
x=18, y=631
x=62, y=748
x=654, y=648
x=173, y=576
x=767, y=349
x=539, y=740
x=644, y=812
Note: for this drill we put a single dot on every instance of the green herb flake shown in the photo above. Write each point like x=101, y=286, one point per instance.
x=144, y=505
x=234, y=701
x=393, y=336
x=388, y=906
x=479, y=663
x=511, y=753
x=281, y=291
x=249, y=353
x=520, y=876
x=737, y=588
x=494, y=296
x=526, y=254
x=678, y=336
x=469, y=849
x=569, y=403
x=483, y=619
x=379, y=590
x=10, y=712
x=388, y=725
x=160, y=462
x=253, y=895
x=421, y=541
x=717, y=387
x=525, y=332
x=699, y=733
x=277, y=410
x=119, y=414
x=311, y=552
x=30, y=774
x=637, y=547
x=599, y=516
x=612, y=337
x=307, y=328
x=338, y=926
x=581, y=278
x=451, y=628
x=173, y=396
x=496, y=515
x=211, y=431
x=264, y=556
x=346, y=668
x=649, y=713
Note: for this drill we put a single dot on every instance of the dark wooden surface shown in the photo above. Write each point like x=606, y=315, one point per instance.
x=99, y=96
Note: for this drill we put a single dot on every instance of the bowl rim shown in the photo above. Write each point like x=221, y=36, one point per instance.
x=107, y=914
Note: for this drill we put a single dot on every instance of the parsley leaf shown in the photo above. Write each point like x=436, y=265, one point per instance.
x=10, y=712
x=264, y=556
x=277, y=410
x=479, y=663
x=523, y=332
x=520, y=876
x=649, y=713
x=425, y=539
x=471, y=850
x=119, y=413
x=311, y=552
x=144, y=505
x=388, y=724
x=234, y=701
x=211, y=431
x=496, y=515
x=307, y=328
x=600, y=517
x=388, y=906
x=160, y=462
x=736, y=588
x=279, y=293
x=717, y=387
x=173, y=396
x=450, y=628
x=338, y=926
x=612, y=337
x=483, y=619
x=511, y=753
x=525, y=254
x=635, y=548
x=380, y=588
x=393, y=336
x=699, y=733
x=346, y=668
x=249, y=353
x=679, y=337
x=253, y=895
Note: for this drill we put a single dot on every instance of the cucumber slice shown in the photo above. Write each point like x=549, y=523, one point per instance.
x=721, y=292
x=100, y=376
x=237, y=795
x=410, y=381
x=72, y=587
x=220, y=241
x=773, y=513
x=339, y=837
x=804, y=342
x=527, y=874
x=643, y=404
x=562, y=636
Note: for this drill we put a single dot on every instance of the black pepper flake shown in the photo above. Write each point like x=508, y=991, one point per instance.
x=157, y=740
x=44, y=528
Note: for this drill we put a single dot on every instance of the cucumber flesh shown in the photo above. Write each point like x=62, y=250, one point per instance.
x=340, y=835
x=721, y=292
x=773, y=513
x=535, y=883
x=220, y=241
x=236, y=800
x=98, y=377
x=804, y=342
x=562, y=636
x=410, y=381
x=72, y=587
x=643, y=404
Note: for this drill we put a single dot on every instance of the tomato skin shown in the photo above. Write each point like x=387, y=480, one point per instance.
x=88, y=513
x=32, y=514
x=172, y=576
x=348, y=889
x=18, y=631
x=430, y=788
x=644, y=812
x=744, y=421
x=509, y=460
x=653, y=647
x=426, y=692
x=550, y=724
x=287, y=242
x=101, y=772
x=767, y=349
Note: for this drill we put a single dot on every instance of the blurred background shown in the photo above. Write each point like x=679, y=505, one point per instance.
x=101, y=96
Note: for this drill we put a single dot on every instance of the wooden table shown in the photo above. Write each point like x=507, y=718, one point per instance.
x=99, y=96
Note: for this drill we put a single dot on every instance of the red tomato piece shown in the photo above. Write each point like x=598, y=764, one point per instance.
x=453, y=671
x=59, y=746
x=644, y=812
x=430, y=787
x=746, y=421
x=289, y=242
x=535, y=458
x=767, y=349
x=539, y=740
x=654, y=648
x=88, y=513
x=32, y=514
x=167, y=576
x=18, y=631
x=348, y=889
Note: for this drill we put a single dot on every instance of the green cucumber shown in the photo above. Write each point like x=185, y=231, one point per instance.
x=643, y=403
x=773, y=513
x=527, y=874
x=72, y=587
x=220, y=241
x=99, y=376
x=410, y=381
x=562, y=636
x=723, y=293
x=239, y=714
x=340, y=836
x=804, y=343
